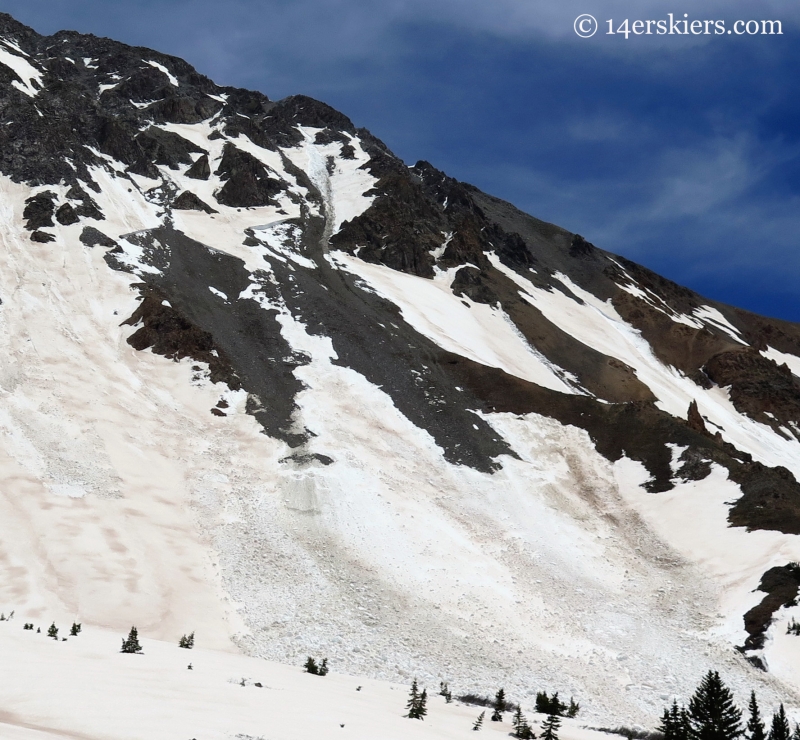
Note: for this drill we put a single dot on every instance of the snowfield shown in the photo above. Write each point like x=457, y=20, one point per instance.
x=85, y=688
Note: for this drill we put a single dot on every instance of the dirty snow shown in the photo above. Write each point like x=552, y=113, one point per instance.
x=558, y=572
x=85, y=688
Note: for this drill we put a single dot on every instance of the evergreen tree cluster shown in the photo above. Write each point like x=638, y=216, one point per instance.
x=187, y=641
x=27, y=626
x=793, y=628
x=675, y=723
x=316, y=669
x=712, y=715
x=553, y=705
x=417, y=705
x=131, y=644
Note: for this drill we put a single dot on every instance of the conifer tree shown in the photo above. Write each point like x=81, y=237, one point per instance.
x=574, y=708
x=675, y=723
x=796, y=733
x=52, y=631
x=75, y=630
x=413, y=700
x=444, y=690
x=550, y=727
x=422, y=705
x=780, y=729
x=479, y=722
x=755, y=725
x=131, y=645
x=712, y=713
x=521, y=727
x=499, y=706
x=323, y=667
x=311, y=666
x=187, y=641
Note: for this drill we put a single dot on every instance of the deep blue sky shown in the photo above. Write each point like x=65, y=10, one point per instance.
x=680, y=153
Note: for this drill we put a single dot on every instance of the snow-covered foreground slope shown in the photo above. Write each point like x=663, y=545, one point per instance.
x=85, y=688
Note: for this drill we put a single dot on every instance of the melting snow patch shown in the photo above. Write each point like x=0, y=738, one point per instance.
x=218, y=293
x=284, y=239
x=133, y=256
x=717, y=320
x=171, y=77
x=24, y=70
x=781, y=358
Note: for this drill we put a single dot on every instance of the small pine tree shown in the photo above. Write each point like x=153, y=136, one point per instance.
x=674, y=723
x=422, y=705
x=131, y=644
x=479, y=722
x=550, y=727
x=574, y=708
x=521, y=727
x=323, y=667
x=75, y=630
x=413, y=700
x=444, y=690
x=499, y=706
x=712, y=713
x=796, y=733
x=311, y=666
x=780, y=729
x=187, y=641
x=52, y=631
x=684, y=726
x=755, y=725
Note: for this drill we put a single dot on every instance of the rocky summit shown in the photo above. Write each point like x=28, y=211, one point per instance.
x=260, y=377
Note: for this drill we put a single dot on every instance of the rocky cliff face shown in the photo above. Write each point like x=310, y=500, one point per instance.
x=497, y=380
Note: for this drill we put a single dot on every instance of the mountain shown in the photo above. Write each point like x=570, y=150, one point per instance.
x=262, y=380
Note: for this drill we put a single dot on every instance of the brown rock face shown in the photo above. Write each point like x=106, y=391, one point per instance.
x=695, y=420
x=758, y=386
x=781, y=585
x=168, y=333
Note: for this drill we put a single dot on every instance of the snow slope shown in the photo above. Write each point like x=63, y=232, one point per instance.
x=160, y=513
x=85, y=688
